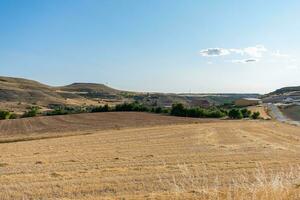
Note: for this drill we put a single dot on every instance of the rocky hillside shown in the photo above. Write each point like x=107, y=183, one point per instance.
x=283, y=94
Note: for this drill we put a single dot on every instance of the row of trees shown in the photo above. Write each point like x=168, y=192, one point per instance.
x=129, y=107
x=180, y=110
x=176, y=110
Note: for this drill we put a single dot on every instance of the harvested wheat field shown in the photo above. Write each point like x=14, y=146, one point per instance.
x=147, y=156
x=80, y=124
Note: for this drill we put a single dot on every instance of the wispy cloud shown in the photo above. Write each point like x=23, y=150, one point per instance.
x=254, y=51
x=280, y=55
x=245, y=61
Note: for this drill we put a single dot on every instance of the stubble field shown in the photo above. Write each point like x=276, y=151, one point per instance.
x=147, y=156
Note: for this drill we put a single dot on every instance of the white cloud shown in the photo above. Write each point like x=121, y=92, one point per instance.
x=214, y=52
x=245, y=61
x=280, y=55
x=255, y=51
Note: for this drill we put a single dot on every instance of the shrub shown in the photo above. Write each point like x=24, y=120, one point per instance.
x=32, y=112
x=194, y=112
x=178, y=110
x=246, y=113
x=235, y=114
x=4, y=115
x=215, y=114
x=58, y=111
x=104, y=108
x=158, y=110
x=131, y=107
x=255, y=115
x=13, y=116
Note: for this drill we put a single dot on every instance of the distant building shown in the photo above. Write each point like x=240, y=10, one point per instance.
x=247, y=102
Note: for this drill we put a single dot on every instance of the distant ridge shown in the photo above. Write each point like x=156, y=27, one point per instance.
x=17, y=94
x=21, y=93
x=280, y=95
x=286, y=90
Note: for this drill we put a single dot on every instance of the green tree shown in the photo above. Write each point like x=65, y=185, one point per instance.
x=178, y=110
x=32, y=112
x=255, y=115
x=4, y=115
x=246, y=113
x=13, y=116
x=235, y=114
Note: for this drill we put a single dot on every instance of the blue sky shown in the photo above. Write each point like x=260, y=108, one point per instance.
x=157, y=45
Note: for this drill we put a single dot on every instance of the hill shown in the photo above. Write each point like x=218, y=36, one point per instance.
x=285, y=90
x=17, y=94
x=282, y=94
x=89, y=88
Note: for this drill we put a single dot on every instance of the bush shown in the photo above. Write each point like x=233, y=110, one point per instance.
x=131, y=107
x=235, y=114
x=13, y=116
x=58, y=111
x=246, y=113
x=4, y=115
x=32, y=112
x=255, y=115
x=194, y=112
x=215, y=114
x=104, y=108
x=178, y=110
x=158, y=110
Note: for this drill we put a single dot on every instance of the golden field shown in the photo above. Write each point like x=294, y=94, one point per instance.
x=148, y=156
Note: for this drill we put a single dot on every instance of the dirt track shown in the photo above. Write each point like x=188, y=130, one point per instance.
x=165, y=161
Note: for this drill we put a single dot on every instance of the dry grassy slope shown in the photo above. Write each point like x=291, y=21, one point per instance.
x=153, y=158
x=89, y=87
x=23, y=90
x=18, y=93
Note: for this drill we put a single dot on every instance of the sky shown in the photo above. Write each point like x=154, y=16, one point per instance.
x=249, y=46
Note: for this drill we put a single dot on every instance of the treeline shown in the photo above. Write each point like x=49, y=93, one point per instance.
x=181, y=111
x=129, y=107
x=176, y=110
